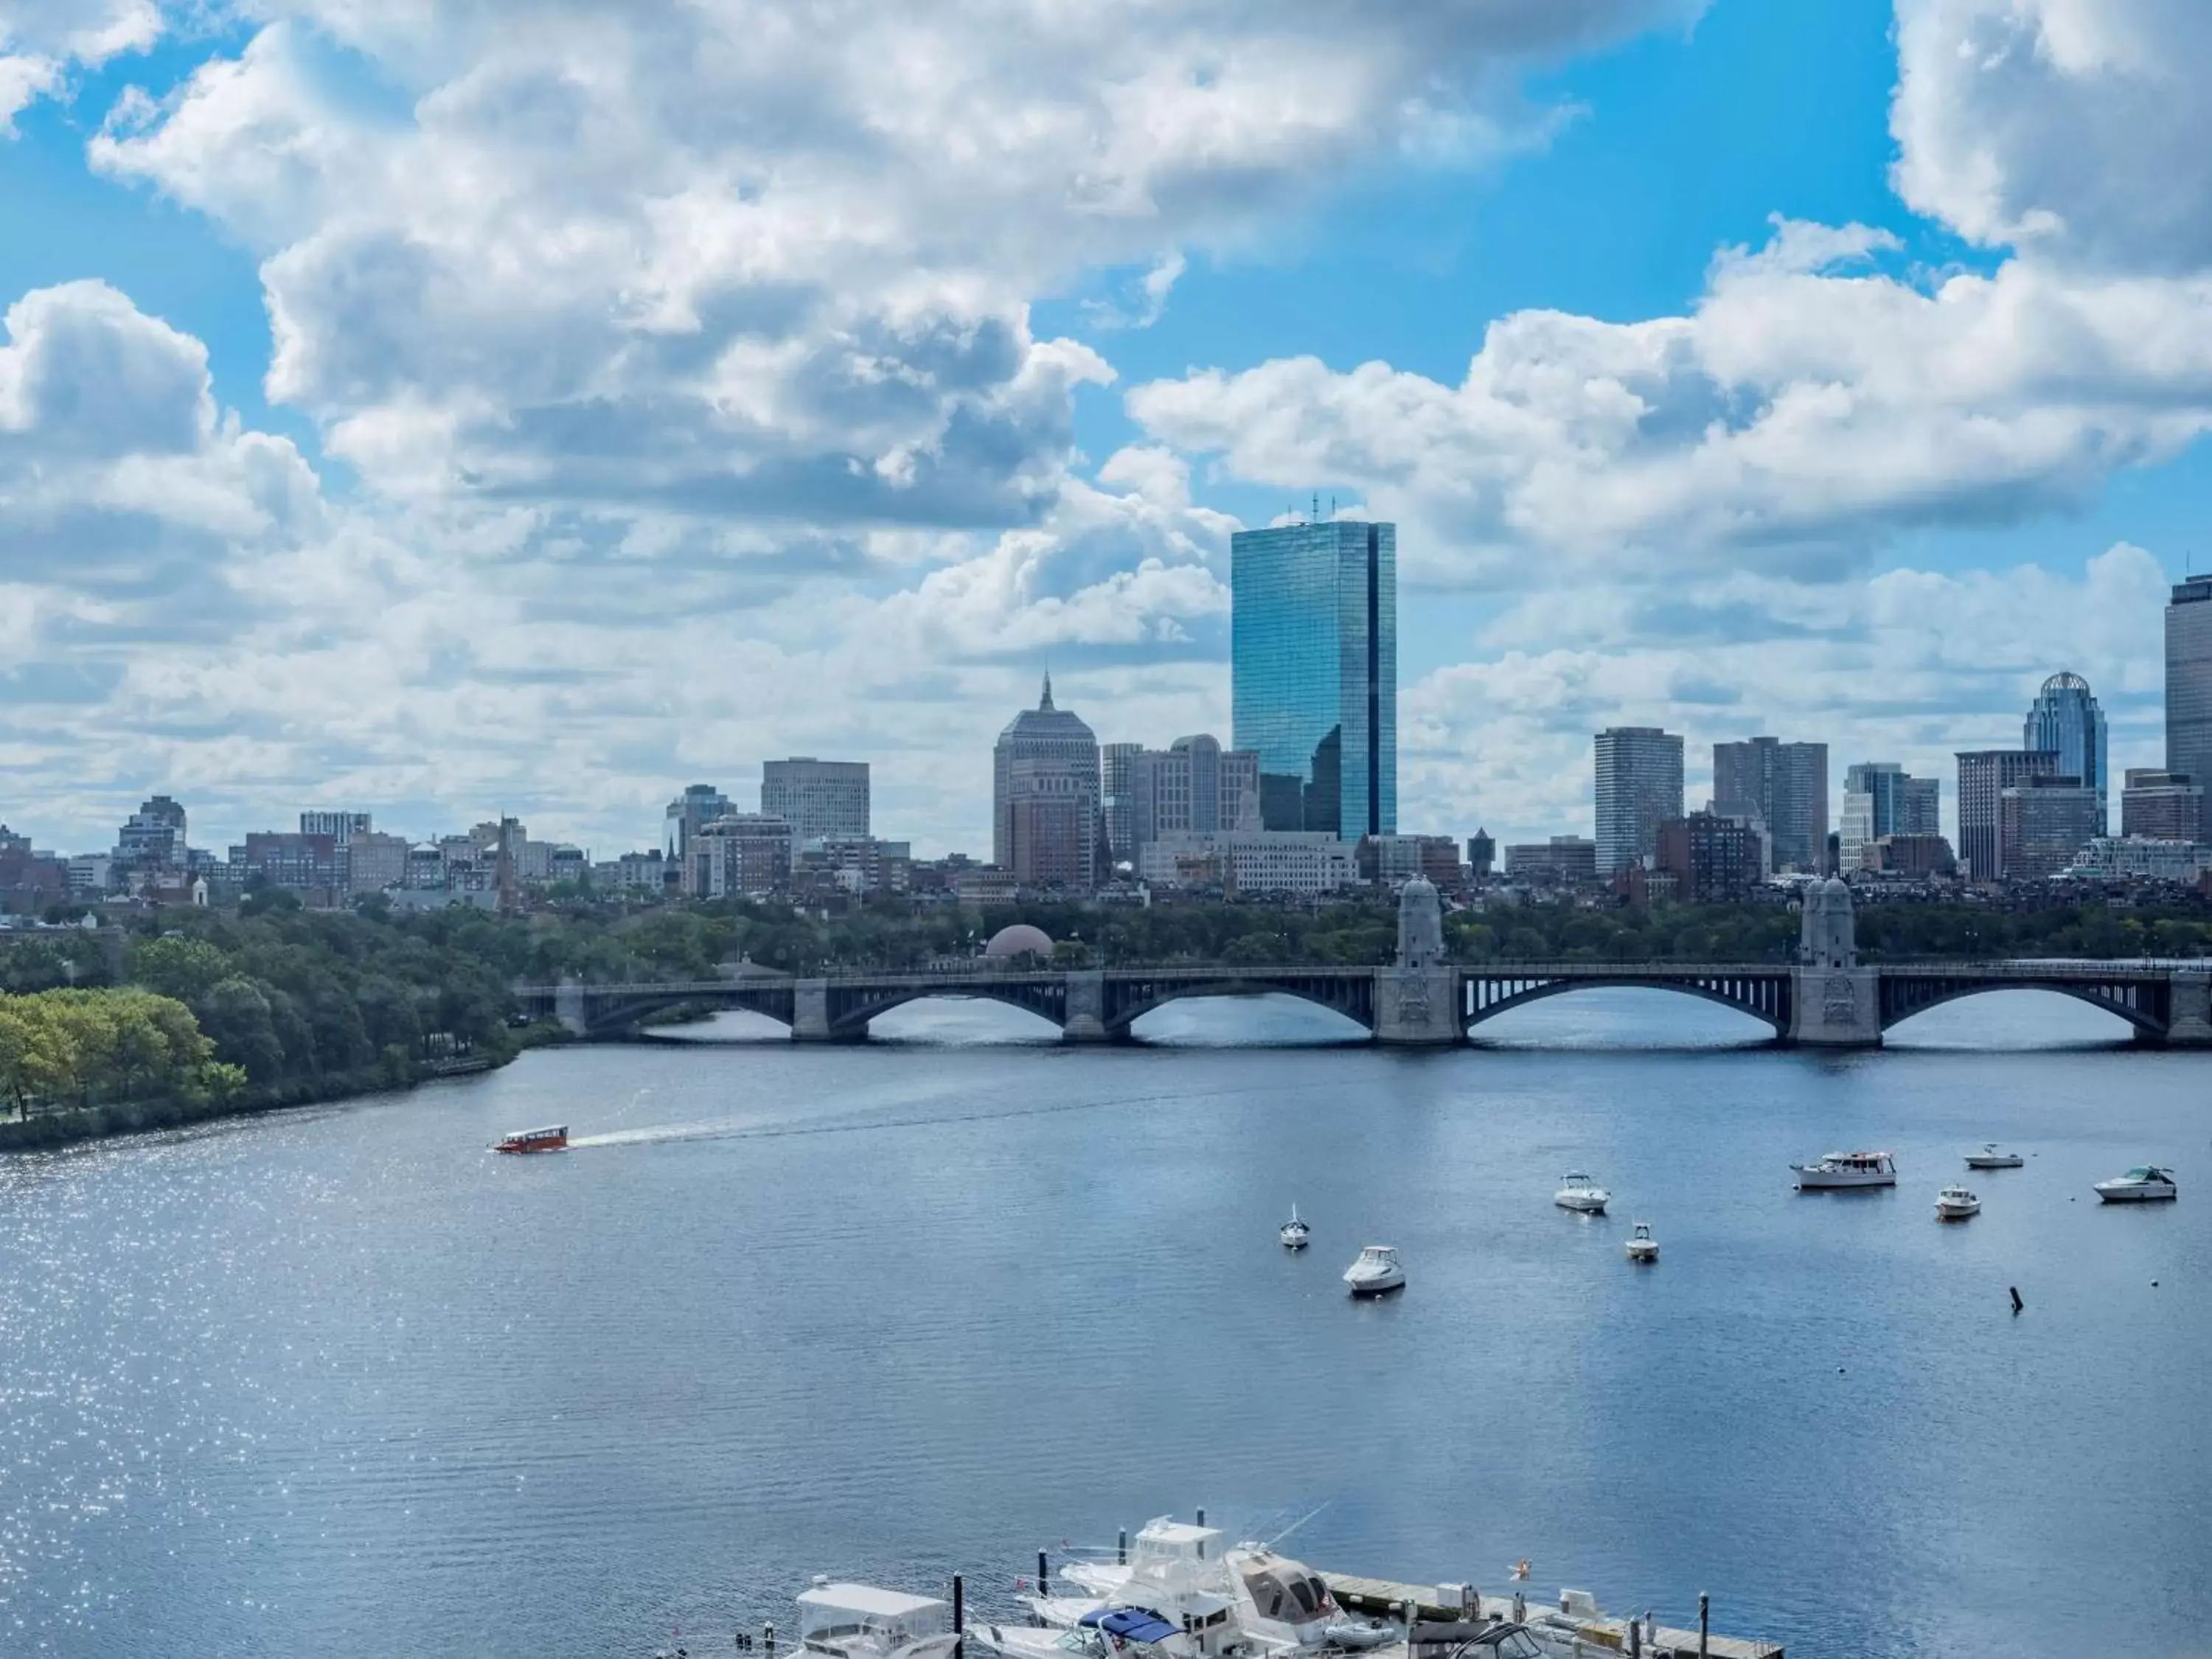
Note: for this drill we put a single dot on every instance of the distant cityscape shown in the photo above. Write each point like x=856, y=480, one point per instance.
x=1301, y=804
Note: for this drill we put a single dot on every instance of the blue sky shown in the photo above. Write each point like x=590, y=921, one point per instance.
x=502, y=408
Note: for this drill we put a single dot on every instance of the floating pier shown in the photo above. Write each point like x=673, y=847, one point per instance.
x=1385, y=1598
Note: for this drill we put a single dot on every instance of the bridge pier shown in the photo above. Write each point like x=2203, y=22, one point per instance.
x=1836, y=1007
x=2189, y=1020
x=810, y=1010
x=1086, y=1008
x=1418, y=1007
x=569, y=1007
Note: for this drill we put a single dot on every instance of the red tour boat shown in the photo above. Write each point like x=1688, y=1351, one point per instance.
x=554, y=1140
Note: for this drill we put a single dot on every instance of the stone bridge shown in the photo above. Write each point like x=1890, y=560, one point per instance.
x=1825, y=1005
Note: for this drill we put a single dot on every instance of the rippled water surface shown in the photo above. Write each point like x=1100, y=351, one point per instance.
x=340, y=1381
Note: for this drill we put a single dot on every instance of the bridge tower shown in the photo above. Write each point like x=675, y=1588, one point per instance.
x=1835, y=1003
x=1417, y=998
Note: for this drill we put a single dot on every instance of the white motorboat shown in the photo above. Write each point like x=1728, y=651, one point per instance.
x=859, y=1621
x=1956, y=1204
x=1641, y=1246
x=2145, y=1183
x=1295, y=1234
x=1841, y=1170
x=1101, y=1633
x=1579, y=1192
x=1376, y=1272
x=1994, y=1157
x=1245, y=1600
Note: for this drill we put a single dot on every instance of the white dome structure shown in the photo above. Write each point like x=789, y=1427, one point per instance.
x=1019, y=940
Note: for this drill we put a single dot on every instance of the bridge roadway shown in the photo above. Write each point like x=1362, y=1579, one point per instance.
x=1848, y=1007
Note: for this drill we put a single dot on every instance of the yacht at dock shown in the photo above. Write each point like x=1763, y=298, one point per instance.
x=859, y=1621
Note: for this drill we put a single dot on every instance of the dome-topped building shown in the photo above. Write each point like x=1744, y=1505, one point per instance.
x=1045, y=798
x=1019, y=940
x=2065, y=720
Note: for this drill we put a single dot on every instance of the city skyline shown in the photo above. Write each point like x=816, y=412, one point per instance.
x=1786, y=457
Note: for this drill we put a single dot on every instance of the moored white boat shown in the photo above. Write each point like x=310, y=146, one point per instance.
x=1101, y=1633
x=1294, y=1233
x=2144, y=1184
x=859, y=1621
x=1579, y=1192
x=1994, y=1157
x=1840, y=1170
x=1239, y=1601
x=1376, y=1272
x=1641, y=1246
x=1956, y=1204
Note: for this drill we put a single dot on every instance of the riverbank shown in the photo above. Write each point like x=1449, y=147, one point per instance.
x=47, y=1130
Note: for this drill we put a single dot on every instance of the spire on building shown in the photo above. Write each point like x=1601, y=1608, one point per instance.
x=1045, y=702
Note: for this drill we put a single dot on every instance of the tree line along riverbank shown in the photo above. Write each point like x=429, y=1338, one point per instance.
x=188, y=1012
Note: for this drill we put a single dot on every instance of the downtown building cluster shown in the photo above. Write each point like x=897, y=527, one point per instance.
x=1299, y=803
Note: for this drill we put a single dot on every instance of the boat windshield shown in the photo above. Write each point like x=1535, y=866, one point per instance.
x=1287, y=1592
x=2141, y=1172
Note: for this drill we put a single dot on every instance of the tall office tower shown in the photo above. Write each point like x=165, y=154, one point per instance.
x=698, y=806
x=1881, y=798
x=1920, y=811
x=1983, y=776
x=2189, y=678
x=2065, y=718
x=340, y=827
x=1314, y=673
x=1782, y=785
x=1481, y=854
x=1044, y=799
x=2161, y=805
x=1639, y=787
x=1194, y=787
x=153, y=837
x=819, y=799
x=1114, y=762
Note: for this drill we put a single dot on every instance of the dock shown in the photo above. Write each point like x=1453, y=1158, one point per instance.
x=1436, y=1603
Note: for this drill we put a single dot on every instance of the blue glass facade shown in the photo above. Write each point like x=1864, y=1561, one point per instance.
x=1314, y=673
x=2065, y=720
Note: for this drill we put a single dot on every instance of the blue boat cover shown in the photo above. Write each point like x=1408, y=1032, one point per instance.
x=1131, y=1624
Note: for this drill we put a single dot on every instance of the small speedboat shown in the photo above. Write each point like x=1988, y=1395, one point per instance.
x=1294, y=1233
x=1376, y=1271
x=2146, y=1184
x=553, y=1139
x=1843, y=1170
x=1956, y=1204
x=1641, y=1246
x=1579, y=1192
x=1993, y=1156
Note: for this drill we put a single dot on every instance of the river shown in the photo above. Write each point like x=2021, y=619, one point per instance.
x=337, y=1380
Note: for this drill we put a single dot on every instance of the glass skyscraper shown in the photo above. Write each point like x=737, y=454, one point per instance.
x=1314, y=674
x=2065, y=720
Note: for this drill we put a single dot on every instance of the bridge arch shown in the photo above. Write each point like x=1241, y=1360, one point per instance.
x=1907, y=998
x=1765, y=998
x=850, y=1017
x=1354, y=999
x=610, y=1019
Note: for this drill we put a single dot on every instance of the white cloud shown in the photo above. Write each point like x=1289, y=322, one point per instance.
x=761, y=255
x=1802, y=407
x=2077, y=129
x=42, y=40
